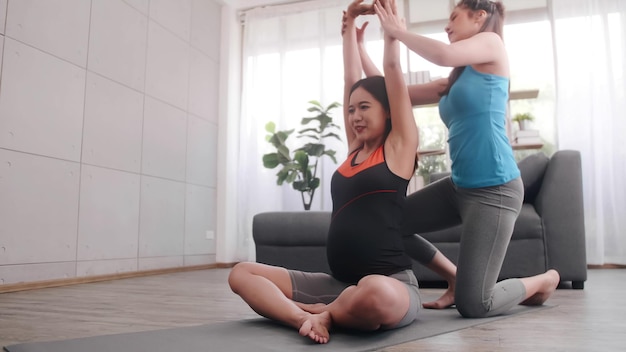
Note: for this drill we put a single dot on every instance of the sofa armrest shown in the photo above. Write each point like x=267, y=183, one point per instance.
x=436, y=176
x=293, y=240
x=560, y=205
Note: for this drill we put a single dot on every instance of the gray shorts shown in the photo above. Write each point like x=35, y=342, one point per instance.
x=323, y=288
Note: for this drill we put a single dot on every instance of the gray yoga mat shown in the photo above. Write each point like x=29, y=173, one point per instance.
x=261, y=335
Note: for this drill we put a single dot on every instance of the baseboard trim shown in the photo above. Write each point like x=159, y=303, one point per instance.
x=25, y=286
x=606, y=266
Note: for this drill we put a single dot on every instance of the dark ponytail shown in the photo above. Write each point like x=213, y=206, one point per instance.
x=493, y=23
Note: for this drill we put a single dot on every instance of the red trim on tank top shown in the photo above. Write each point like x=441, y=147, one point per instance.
x=347, y=170
x=361, y=196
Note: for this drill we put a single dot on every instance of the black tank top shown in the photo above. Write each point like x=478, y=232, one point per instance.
x=364, y=236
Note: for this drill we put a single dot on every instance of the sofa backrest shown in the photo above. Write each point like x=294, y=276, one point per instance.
x=532, y=169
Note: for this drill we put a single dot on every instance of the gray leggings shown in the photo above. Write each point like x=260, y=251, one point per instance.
x=323, y=288
x=487, y=216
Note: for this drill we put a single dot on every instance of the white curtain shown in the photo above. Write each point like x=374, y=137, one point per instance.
x=291, y=55
x=590, y=54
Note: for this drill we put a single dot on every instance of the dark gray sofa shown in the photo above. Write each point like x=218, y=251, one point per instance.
x=549, y=232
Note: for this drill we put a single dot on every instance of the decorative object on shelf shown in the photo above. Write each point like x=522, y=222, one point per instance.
x=522, y=120
x=527, y=136
x=301, y=169
x=417, y=77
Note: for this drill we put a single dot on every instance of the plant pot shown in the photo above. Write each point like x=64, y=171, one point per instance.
x=523, y=124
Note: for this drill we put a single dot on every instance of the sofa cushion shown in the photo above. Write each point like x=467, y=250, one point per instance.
x=297, y=228
x=528, y=225
x=532, y=169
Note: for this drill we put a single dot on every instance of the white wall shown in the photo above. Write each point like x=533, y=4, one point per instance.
x=108, y=136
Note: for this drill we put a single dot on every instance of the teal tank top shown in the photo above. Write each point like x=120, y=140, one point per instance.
x=474, y=111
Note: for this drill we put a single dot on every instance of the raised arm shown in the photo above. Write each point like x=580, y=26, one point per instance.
x=420, y=94
x=351, y=61
x=402, y=142
x=484, y=47
x=369, y=67
x=479, y=49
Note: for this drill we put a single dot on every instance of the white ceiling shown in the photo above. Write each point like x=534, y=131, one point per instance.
x=244, y=4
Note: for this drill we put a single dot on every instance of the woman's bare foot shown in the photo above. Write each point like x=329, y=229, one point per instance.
x=314, y=308
x=546, y=284
x=316, y=327
x=446, y=300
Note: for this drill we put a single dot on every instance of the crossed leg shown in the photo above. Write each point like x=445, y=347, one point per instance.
x=267, y=290
x=375, y=302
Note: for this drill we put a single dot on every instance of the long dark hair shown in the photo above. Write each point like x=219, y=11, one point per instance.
x=493, y=23
x=375, y=85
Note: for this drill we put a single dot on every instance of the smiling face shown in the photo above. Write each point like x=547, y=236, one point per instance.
x=367, y=117
x=464, y=23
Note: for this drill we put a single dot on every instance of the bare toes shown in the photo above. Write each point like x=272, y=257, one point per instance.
x=316, y=327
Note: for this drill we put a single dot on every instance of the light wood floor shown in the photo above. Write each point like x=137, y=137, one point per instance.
x=593, y=319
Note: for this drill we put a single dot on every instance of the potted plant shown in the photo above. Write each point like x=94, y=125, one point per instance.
x=522, y=119
x=299, y=167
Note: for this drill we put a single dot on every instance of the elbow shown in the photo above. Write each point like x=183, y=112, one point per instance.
x=445, y=58
x=441, y=59
x=392, y=65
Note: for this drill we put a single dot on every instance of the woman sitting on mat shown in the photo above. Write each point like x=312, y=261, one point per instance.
x=372, y=285
x=484, y=193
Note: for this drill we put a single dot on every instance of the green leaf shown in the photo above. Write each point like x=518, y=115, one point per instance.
x=291, y=177
x=282, y=176
x=283, y=135
x=307, y=130
x=302, y=159
x=316, y=106
x=307, y=120
x=334, y=135
x=283, y=153
x=331, y=154
x=314, y=149
x=301, y=186
x=270, y=160
x=270, y=127
x=273, y=139
x=333, y=106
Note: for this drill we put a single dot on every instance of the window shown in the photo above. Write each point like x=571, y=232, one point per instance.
x=532, y=68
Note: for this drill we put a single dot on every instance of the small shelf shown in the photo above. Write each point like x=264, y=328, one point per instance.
x=524, y=94
x=430, y=152
x=517, y=146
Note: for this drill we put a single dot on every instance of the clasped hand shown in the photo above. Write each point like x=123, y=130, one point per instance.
x=387, y=13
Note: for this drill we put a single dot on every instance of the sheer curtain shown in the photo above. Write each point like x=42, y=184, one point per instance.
x=291, y=55
x=590, y=54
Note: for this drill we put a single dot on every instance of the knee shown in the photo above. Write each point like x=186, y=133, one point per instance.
x=376, y=294
x=238, y=275
x=471, y=308
x=476, y=311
